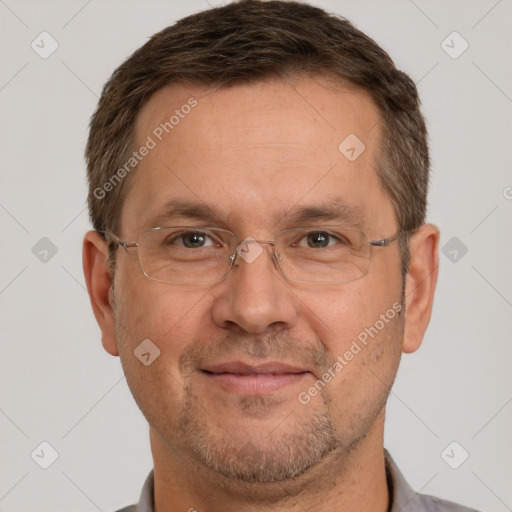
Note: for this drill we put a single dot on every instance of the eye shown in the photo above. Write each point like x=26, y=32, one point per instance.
x=318, y=239
x=193, y=240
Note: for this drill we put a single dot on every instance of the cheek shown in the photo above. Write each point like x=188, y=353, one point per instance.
x=172, y=320
x=340, y=316
x=171, y=317
x=363, y=338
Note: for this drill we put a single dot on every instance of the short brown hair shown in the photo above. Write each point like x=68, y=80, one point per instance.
x=253, y=40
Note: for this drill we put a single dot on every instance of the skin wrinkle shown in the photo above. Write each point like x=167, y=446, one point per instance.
x=272, y=346
x=176, y=212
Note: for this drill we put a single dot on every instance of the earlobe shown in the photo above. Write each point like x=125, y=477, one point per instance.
x=420, y=285
x=99, y=286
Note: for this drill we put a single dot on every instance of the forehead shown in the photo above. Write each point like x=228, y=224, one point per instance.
x=254, y=153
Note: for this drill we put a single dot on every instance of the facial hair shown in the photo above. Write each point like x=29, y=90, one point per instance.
x=279, y=455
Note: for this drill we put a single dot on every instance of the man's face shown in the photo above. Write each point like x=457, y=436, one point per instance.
x=254, y=153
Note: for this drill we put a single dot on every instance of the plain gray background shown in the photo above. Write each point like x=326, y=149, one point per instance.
x=56, y=382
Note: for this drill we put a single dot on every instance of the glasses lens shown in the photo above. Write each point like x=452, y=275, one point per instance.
x=185, y=255
x=197, y=255
x=330, y=255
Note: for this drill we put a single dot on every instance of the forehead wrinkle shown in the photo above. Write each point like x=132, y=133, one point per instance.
x=337, y=210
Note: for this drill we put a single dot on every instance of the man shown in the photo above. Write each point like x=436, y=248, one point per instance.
x=258, y=177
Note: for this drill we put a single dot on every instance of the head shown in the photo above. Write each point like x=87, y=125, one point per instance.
x=241, y=112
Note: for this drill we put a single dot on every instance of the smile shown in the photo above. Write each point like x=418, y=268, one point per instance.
x=264, y=379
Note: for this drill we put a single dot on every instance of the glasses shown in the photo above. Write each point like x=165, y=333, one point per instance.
x=204, y=255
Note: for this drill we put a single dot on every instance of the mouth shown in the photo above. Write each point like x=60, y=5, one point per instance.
x=247, y=379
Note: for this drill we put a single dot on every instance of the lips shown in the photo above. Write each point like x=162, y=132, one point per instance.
x=248, y=379
x=239, y=368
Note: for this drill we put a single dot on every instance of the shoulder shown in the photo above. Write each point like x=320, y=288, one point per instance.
x=433, y=504
x=146, y=503
x=405, y=499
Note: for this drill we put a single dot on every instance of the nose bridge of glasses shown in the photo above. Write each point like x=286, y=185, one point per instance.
x=251, y=249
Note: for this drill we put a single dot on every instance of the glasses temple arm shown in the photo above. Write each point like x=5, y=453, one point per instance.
x=385, y=241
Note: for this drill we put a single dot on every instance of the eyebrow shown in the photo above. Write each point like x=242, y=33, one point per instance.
x=182, y=209
x=335, y=210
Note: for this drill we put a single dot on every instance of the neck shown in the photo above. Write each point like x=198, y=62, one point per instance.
x=345, y=480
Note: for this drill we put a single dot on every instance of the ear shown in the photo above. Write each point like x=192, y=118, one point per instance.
x=420, y=285
x=97, y=278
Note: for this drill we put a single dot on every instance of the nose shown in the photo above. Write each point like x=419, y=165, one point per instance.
x=254, y=297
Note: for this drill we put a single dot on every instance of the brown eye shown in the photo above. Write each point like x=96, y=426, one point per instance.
x=194, y=240
x=318, y=239
x=191, y=240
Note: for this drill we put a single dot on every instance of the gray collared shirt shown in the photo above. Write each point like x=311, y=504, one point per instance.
x=404, y=499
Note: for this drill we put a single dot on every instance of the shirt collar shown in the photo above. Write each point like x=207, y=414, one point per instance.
x=401, y=494
x=146, y=501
